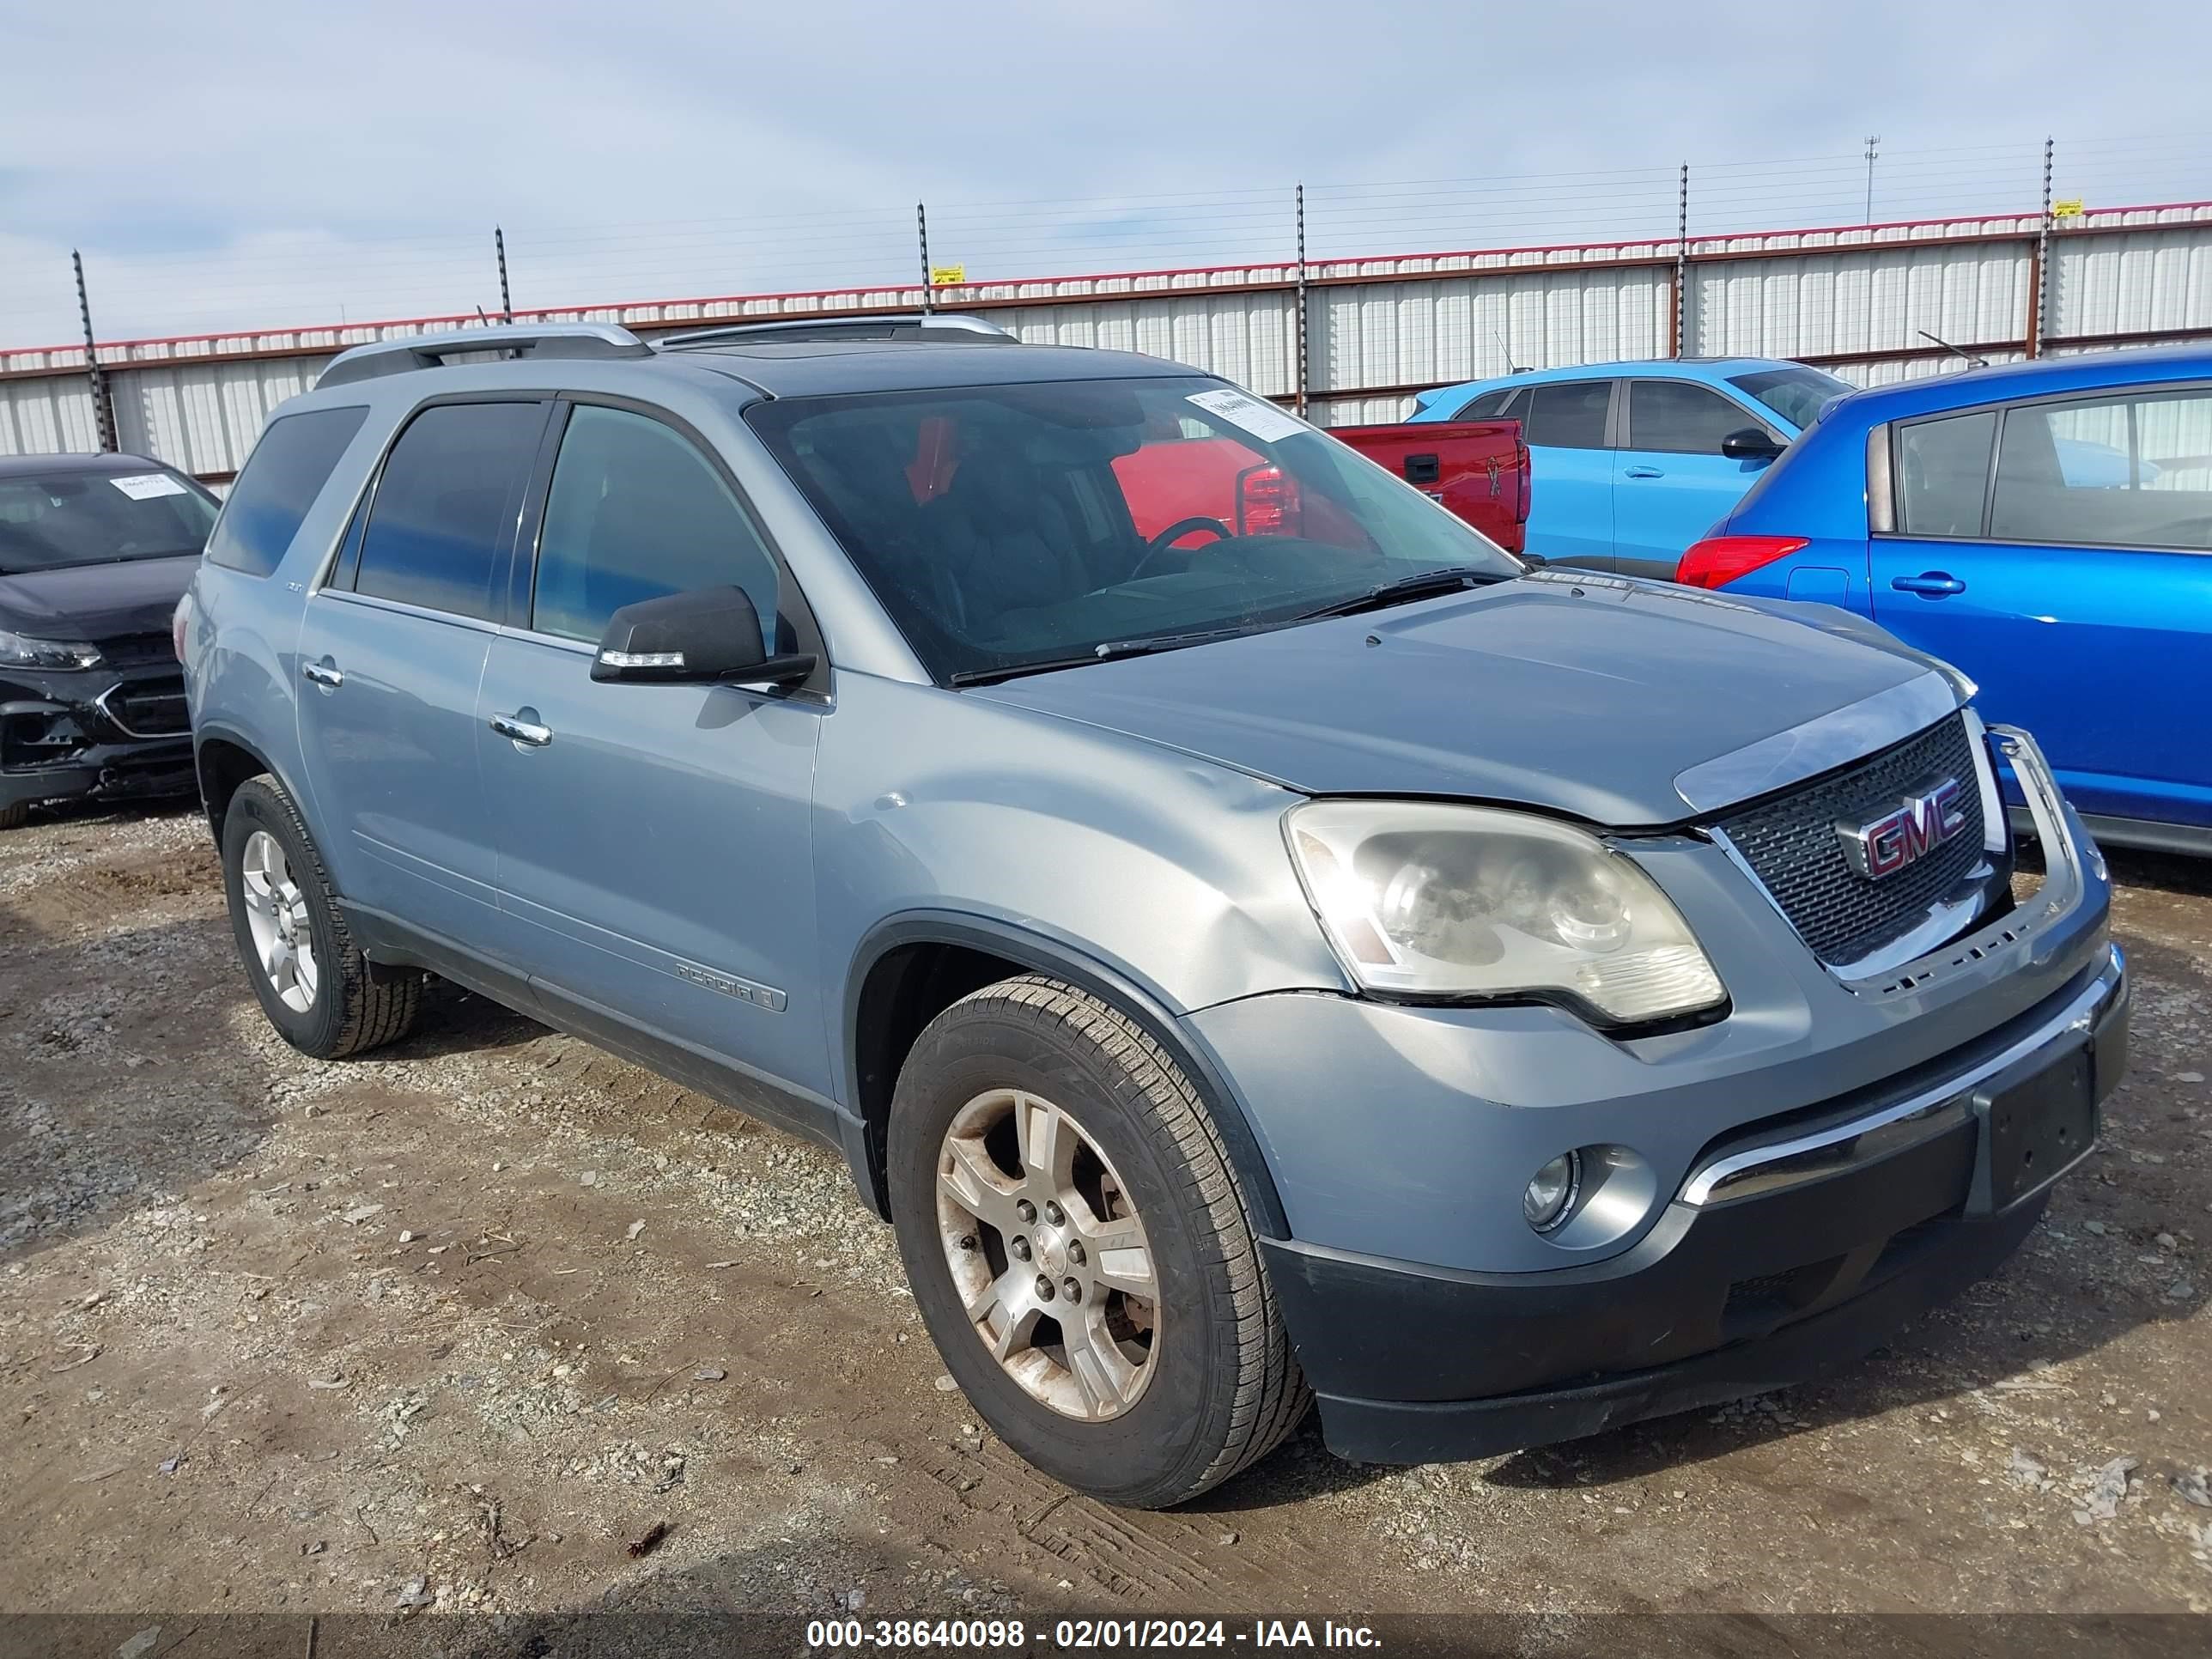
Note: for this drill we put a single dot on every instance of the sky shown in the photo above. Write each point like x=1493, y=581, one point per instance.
x=251, y=164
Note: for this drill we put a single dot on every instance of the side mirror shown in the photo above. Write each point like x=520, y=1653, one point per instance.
x=708, y=637
x=1267, y=501
x=1750, y=445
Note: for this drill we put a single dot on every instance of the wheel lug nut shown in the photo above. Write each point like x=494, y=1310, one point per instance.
x=1055, y=1214
x=1075, y=1251
x=1020, y=1247
x=967, y=1241
x=1044, y=1287
x=1074, y=1289
x=1027, y=1211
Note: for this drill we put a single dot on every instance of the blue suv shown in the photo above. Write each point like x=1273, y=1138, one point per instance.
x=1632, y=462
x=1296, y=954
x=2046, y=526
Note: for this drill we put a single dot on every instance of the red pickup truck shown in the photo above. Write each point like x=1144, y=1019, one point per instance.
x=1478, y=469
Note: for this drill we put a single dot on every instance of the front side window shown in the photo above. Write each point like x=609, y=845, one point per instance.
x=1942, y=471
x=74, y=516
x=636, y=512
x=2127, y=471
x=1679, y=418
x=446, y=506
x=285, y=473
x=1567, y=414
x=1009, y=526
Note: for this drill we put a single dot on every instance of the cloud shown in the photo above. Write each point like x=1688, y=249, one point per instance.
x=278, y=164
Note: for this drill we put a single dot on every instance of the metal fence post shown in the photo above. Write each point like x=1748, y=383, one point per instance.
x=2038, y=276
x=102, y=417
x=1303, y=371
x=506, y=299
x=922, y=231
x=1682, y=265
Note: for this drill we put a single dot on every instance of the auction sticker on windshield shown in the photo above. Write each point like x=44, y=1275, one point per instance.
x=1263, y=420
x=144, y=486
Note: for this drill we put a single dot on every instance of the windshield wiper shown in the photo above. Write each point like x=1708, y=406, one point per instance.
x=1419, y=586
x=1097, y=653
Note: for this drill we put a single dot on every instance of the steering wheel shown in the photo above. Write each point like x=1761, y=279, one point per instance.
x=1174, y=533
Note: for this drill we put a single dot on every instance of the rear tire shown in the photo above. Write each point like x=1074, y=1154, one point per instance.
x=13, y=815
x=1030, y=1100
x=312, y=982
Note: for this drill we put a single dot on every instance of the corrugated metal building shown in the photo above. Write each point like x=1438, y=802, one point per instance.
x=1859, y=300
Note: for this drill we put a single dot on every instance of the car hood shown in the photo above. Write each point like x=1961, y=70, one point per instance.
x=1586, y=695
x=96, y=601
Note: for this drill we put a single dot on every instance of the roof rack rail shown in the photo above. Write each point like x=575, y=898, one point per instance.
x=942, y=325
x=366, y=362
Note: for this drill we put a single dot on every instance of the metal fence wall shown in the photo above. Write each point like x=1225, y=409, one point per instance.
x=1858, y=300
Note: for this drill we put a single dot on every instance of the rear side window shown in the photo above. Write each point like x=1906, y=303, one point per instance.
x=636, y=512
x=446, y=506
x=1943, y=474
x=285, y=473
x=1567, y=414
x=1678, y=418
x=1487, y=407
x=2127, y=471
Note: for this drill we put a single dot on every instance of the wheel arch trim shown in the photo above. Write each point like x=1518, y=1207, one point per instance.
x=1041, y=953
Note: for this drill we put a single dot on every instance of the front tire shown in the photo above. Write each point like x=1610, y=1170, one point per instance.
x=311, y=980
x=1080, y=1250
x=13, y=815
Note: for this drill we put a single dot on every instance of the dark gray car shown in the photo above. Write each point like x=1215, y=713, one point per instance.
x=95, y=550
x=1298, y=952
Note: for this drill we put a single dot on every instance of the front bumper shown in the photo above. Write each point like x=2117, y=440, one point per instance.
x=1787, y=1256
x=101, y=733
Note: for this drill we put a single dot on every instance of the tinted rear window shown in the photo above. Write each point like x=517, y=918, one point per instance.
x=285, y=473
x=446, y=506
x=49, y=519
x=1568, y=413
x=1943, y=473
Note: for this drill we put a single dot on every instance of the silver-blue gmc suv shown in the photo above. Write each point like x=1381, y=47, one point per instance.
x=1298, y=953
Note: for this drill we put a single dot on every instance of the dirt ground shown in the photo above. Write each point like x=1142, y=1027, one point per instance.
x=456, y=1325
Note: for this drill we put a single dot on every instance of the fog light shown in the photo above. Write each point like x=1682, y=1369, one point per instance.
x=1551, y=1190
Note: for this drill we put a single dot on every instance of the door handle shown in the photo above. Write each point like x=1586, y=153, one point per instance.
x=1645, y=472
x=324, y=673
x=1929, y=584
x=527, y=733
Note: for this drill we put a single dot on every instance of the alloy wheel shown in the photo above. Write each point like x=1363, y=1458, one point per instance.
x=1048, y=1255
x=276, y=917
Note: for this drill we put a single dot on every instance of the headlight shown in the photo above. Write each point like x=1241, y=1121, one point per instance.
x=17, y=652
x=1430, y=900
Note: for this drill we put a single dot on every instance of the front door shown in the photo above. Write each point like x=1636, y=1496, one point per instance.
x=391, y=653
x=655, y=860
x=1672, y=483
x=2073, y=582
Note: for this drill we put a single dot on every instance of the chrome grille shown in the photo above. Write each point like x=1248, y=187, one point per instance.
x=1793, y=847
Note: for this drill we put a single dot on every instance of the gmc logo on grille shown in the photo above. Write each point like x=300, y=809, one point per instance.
x=1908, y=833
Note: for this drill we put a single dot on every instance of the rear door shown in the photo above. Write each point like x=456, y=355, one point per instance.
x=655, y=857
x=391, y=650
x=1566, y=424
x=1673, y=484
x=2060, y=551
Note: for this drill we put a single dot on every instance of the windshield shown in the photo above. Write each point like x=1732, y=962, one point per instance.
x=1025, y=525
x=1796, y=393
x=51, y=519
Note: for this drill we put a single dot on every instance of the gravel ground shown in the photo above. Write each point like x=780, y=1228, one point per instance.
x=456, y=1326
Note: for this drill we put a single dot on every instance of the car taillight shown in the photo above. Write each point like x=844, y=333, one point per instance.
x=1527, y=483
x=1267, y=503
x=1719, y=560
x=177, y=626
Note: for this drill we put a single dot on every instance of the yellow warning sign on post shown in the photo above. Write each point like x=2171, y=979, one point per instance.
x=2068, y=210
x=947, y=276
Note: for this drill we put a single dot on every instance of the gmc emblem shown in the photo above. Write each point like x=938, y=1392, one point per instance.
x=1906, y=834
